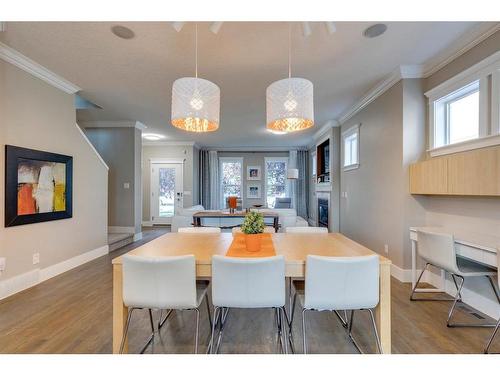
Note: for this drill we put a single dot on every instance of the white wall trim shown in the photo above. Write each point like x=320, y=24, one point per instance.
x=431, y=67
x=147, y=223
x=488, y=141
x=471, y=298
x=91, y=146
x=255, y=148
x=325, y=128
x=31, y=278
x=113, y=229
x=113, y=124
x=401, y=72
x=167, y=161
x=22, y=62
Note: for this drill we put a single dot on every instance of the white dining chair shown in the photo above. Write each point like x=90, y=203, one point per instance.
x=490, y=341
x=248, y=283
x=199, y=230
x=306, y=230
x=266, y=230
x=438, y=250
x=162, y=283
x=338, y=283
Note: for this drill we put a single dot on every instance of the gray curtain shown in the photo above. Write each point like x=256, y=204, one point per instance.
x=302, y=185
x=209, y=179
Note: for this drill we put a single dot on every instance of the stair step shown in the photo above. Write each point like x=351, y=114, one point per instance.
x=118, y=240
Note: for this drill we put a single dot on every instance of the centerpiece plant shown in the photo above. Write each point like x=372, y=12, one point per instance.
x=253, y=227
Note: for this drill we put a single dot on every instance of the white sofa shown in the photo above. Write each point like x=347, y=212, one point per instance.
x=184, y=218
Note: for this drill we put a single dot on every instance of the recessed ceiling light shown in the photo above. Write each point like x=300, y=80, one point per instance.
x=277, y=132
x=152, y=137
x=375, y=30
x=122, y=32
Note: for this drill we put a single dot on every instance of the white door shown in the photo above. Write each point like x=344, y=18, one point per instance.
x=166, y=191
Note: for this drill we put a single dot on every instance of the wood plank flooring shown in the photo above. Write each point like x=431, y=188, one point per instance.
x=72, y=313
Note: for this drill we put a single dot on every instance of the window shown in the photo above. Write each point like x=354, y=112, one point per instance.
x=464, y=111
x=457, y=116
x=350, y=140
x=314, y=165
x=231, y=176
x=276, y=181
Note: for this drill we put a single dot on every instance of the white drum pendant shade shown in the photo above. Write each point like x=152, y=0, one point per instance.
x=290, y=105
x=195, y=105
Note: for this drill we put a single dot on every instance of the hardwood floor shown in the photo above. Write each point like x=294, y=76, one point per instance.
x=71, y=313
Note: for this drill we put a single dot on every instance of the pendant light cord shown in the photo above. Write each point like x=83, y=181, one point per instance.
x=289, y=50
x=196, y=49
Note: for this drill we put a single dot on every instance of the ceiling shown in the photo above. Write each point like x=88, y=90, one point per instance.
x=132, y=79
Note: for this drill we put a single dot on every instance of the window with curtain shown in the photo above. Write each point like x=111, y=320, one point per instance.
x=231, y=176
x=276, y=181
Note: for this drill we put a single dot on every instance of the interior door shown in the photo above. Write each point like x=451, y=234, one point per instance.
x=166, y=191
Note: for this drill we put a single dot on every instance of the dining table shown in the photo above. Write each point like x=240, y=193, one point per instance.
x=295, y=247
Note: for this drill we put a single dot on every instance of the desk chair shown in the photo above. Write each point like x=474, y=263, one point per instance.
x=438, y=250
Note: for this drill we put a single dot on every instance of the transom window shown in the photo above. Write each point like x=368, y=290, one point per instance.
x=457, y=116
x=276, y=181
x=231, y=176
x=351, y=148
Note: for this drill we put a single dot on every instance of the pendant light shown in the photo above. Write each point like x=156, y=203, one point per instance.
x=195, y=101
x=289, y=102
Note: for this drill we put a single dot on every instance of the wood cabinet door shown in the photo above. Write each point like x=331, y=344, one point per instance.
x=429, y=177
x=475, y=172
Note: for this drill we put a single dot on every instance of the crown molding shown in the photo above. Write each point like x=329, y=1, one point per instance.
x=327, y=126
x=169, y=143
x=112, y=124
x=413, y=71
x=254, y=148
x=432, y=66
x=16, y=58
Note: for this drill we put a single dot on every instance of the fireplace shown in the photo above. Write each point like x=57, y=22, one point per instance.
x=323, y=212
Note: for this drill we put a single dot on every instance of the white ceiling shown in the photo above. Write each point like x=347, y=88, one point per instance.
x=132, y=79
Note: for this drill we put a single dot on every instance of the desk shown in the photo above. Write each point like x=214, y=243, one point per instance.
x=293, y=246
x=478, y=247
x=238, y=214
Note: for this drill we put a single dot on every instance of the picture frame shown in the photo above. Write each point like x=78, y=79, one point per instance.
x=38, y=186
x=253, y=191
x=254, y=173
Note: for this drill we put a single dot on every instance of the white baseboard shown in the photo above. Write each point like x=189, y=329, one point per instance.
x=121, y=230
x=138, y=236
x=147, y=223
x=28, y=279
x=471, y=298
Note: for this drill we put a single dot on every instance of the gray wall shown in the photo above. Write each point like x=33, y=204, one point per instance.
x=36, y=115
x=253, y=159
x=121, y=150
x=168, y=152
x=481, y=215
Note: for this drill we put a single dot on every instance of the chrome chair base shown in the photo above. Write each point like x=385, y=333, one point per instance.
x=127, y=325
x=490, y=341
x=219, y=323
x=456, y=299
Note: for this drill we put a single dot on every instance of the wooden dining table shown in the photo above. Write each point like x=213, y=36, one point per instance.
x=293, y=246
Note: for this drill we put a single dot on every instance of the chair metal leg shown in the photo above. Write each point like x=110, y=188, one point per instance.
x=223, y=318
x=349, y=332
x=208, y=311
x=162, y=322
x=304, y=342
x=452, y=310
x=292, y=314
x=283, y=334
x=343, y=320
x=197, y=330
x=413, y=291
x=129, y=317
x=214, y=325
x=377, y=338
x=454, y=278
x=487, y=348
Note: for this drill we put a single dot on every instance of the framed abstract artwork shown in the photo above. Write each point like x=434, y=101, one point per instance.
x=38, y=186
x=253, y=173
x=253, y=191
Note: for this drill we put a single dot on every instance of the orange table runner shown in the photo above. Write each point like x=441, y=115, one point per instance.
x=238, y=248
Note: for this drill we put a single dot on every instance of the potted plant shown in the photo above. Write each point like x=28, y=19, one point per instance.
x=253, y=227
